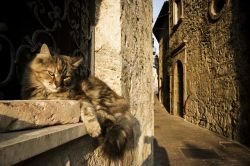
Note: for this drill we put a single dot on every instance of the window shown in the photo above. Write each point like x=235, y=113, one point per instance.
x=216, y=8
x=177, y=11
x=65, y=27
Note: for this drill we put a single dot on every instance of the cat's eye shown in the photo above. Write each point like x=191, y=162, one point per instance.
x=51, y=73
x=67, y=77
x=67, y=80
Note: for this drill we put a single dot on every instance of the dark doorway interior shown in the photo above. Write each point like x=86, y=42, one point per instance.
x=180, y=89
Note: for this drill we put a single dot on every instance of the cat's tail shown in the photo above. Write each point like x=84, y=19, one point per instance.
x=118, y=136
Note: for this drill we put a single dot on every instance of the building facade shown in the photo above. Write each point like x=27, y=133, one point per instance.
x=160, y=30
x=208, y=50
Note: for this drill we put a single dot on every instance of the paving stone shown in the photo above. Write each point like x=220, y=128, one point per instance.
x=178, y=142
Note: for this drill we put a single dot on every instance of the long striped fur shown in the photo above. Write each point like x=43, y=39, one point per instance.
x=105, y=113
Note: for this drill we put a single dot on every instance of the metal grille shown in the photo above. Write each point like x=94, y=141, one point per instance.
x=25, y=25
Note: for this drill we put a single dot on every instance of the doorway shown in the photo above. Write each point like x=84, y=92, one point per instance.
x=178, y=89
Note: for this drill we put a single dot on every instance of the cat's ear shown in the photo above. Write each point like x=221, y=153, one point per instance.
x=43, y=56
x=85, y=72
x=44, y=49
x=78, y=62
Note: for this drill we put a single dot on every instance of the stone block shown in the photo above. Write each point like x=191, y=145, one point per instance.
x=22, y=145
x=24, y=114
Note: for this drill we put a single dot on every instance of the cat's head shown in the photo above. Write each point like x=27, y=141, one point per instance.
x=58, y=72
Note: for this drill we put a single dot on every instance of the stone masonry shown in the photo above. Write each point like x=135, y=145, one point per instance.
x=23, y=114
x=108, y=63
x=215, y=66
x=137, y=64
x=123, y=58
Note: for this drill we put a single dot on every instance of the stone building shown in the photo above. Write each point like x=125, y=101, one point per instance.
x=105, y=33
x=160, y=31
x=208, y=49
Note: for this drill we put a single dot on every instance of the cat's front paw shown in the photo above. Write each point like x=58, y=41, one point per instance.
x=93, y=129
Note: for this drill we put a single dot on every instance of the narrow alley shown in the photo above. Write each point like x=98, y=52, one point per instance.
x=180, y=143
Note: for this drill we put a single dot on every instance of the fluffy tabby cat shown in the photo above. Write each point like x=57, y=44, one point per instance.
x=62, y=77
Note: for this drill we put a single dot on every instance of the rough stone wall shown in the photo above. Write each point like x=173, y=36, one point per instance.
x=83, y=151
x=216, y=68
x=124, y=60
x=161, y=69
x=163, y=72
x=137, y=58
x=75, y=153
x=163, y=65
x=155, y=80
x=108, y=43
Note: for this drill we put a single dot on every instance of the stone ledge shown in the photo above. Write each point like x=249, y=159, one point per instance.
x=24, y=114
x=18, y=146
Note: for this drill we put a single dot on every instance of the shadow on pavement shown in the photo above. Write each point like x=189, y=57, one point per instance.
x=160, y=155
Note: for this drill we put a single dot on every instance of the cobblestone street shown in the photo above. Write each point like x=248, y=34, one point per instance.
x=180, y=143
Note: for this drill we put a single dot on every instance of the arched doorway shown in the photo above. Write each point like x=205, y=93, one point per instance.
x=178, y=89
